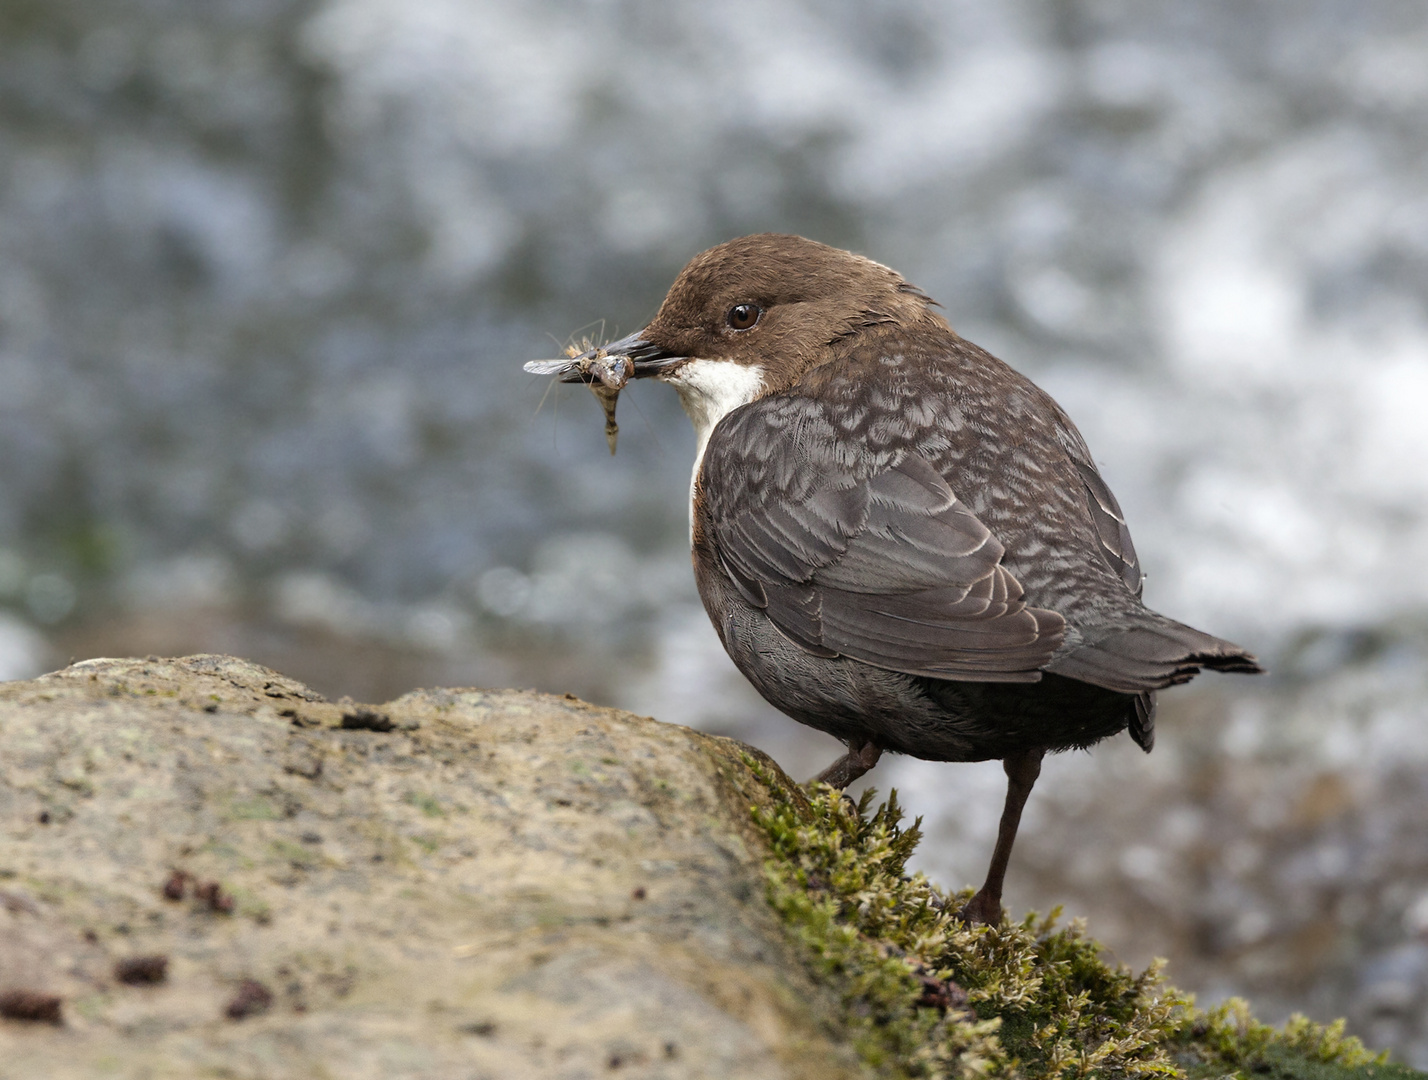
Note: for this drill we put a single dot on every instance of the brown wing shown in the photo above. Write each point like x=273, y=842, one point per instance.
x=1111, y=526
x=868, y=555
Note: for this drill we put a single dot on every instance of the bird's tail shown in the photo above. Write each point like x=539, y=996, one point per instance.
x=1156, y=653
x=1142, y=720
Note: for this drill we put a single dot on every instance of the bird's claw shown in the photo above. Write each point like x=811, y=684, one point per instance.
x=982, y=910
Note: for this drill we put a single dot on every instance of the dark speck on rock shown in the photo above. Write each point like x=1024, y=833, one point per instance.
x=251, y=997
x=31, y=1006
x=364, y=719
x=176, y=885
x=138, y=970
x=16, y=902
x=212, y=894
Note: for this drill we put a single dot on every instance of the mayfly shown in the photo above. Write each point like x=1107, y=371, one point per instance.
x=605, y=369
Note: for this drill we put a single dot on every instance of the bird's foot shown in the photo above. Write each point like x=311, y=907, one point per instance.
x=983, y=909
x=859, y=759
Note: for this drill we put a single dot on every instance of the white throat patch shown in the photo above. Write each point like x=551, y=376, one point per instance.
x=709, y=390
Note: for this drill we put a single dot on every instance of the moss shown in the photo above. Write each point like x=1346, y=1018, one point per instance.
x=254, y=809
x=295, y=855
x=1229, y=1038
x=248, y=904
x=837, y=881
x=924, y=995
x=429, y=805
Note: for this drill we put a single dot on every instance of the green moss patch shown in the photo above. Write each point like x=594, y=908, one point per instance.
x=1229, y=1039
x=924, y=995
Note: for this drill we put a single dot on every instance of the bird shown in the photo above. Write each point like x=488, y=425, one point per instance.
x=899, y=539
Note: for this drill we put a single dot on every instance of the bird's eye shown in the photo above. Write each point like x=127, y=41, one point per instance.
x=743, y=316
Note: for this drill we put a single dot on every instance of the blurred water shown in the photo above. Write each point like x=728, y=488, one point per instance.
x=268, y=269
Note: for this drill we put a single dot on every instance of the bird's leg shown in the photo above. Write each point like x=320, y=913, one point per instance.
x=862, y=755
x=1022, y=769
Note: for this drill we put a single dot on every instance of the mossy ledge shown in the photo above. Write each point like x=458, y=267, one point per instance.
x=925, y=995
x=209, y=870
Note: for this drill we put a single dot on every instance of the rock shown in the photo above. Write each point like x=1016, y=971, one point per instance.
x=460, y=883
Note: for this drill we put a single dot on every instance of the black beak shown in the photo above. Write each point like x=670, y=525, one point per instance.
x=645, y=359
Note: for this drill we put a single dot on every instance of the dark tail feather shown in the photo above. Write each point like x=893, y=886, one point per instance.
x=1142, y=721
x=1151, y=656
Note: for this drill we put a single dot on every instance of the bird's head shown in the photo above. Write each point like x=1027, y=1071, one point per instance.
x=776, y=303
x=771, y=302
x=750, y=317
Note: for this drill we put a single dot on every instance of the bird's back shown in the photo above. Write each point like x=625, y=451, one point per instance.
x=1006, y=449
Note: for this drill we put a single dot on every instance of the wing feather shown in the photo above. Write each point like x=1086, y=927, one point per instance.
x=883, y=565
x=1111, y=527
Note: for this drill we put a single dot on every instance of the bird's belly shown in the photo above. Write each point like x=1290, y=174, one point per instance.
x=933, y=719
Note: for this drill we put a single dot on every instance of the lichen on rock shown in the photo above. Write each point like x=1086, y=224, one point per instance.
x=457, y=883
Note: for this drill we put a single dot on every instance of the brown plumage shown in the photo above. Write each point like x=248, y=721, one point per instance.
x=900, y=540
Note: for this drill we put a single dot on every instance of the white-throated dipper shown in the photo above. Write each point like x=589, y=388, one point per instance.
x=900, y=540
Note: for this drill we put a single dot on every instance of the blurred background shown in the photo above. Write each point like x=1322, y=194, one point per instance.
x=269, y=269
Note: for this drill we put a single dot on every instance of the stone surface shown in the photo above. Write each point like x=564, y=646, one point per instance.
x=460, y=883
